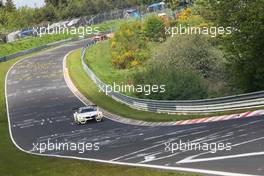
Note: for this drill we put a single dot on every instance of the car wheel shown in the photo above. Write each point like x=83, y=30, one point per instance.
x=99, y=120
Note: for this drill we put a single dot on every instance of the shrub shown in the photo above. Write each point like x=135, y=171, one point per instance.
x=189, y=52
x=123, y=60
x=129, y=45
x=155, y=29
x=179, y=85
x=185, y=14
x=190, y=66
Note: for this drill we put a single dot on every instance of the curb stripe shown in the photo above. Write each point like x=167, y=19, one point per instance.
x=113, y=117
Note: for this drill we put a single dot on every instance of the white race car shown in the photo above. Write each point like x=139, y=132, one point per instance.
x=84, y=114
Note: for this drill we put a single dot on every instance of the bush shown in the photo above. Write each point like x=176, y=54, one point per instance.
x=190, y=52
x=190, y=66
x=129, y=45
x=124, y=60
x=155, y=29
x=179, y=85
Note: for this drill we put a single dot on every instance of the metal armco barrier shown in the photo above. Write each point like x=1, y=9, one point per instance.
x=12, y=56
x=236, y=102
x=99, y=18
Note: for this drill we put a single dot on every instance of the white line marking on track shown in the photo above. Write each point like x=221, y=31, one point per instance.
x=191, y=159
x=173, y=133
x=202, y=171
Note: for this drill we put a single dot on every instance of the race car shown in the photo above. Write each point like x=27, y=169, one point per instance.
x=84, y=114
x=99, y=37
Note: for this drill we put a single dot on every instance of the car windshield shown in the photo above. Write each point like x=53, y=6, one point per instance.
x=87, y=110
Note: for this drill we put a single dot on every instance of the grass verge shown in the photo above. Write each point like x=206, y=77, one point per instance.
x=33, y=42
x=88, y=88
x=98, y=58
x=16, y=163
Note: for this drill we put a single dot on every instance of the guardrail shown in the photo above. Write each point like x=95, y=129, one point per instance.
x=236, y=102
x=99, y=18
x=29, y=51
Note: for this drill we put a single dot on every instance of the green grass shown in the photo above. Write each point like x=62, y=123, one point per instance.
x=29, y=43
x=98, y=58
x=88, y=88
x=111, y=24
x=13, y=162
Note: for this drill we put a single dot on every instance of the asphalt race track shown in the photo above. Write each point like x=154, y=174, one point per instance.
x=40, y=109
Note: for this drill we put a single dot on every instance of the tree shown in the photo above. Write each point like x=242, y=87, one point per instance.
x=3, y=18
x=10, y=6
x=48, y=13
x=154, y=29
x=189, y=52
x=179, y=84
x=1, y=4
x=189, y=65
x=173, y=4
x=56, y=3
x=245, y=45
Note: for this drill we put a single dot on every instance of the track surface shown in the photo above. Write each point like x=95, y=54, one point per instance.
x=40, y=109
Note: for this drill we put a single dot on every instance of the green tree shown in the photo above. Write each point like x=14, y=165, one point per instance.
x=56, y=3
x=173, y=4
x=179, y=85
x=155, y=29
x=10, y=6
x=3, y=18
x=190, y=66
x=48, y=13
x=1, y=4
x=245, y=45
x=189, y=52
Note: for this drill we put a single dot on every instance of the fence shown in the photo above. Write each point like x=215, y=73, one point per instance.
x=99, y=18
x=117, y=14
x=236, y=102
x=12, y=56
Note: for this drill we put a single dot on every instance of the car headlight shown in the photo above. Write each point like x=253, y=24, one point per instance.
x=100, y=114
x=80, y=117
